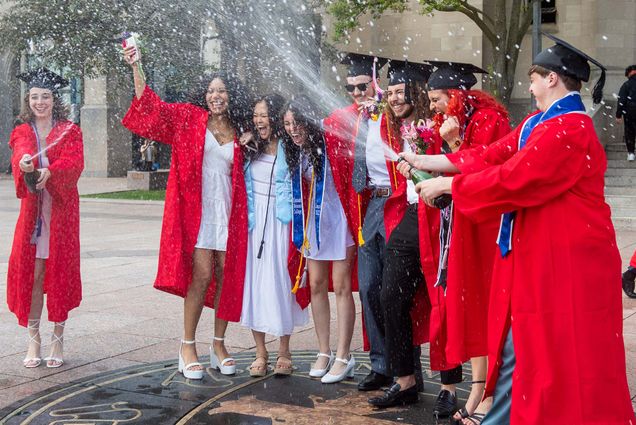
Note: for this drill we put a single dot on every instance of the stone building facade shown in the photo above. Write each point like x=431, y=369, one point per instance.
x=603, y=28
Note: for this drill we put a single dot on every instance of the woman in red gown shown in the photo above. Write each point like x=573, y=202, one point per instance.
x=202, y=134
x=45, y=256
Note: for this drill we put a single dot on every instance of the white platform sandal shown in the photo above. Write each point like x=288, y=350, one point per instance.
x=185, y=368
x=33, y=362
x=319, y=373
x=55, y=362
x=222, y=366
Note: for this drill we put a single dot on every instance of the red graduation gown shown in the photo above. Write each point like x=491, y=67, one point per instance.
x=632, y=262
x=559, y=288
x=62, y=282
x=231, y=302
x=428, y=224
x=459, y=319
x=181, y=125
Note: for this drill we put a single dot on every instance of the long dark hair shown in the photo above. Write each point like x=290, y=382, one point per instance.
x=60, y=110
x=239, y=103
x=419, y=99
x=275, y=104
x=307, y=114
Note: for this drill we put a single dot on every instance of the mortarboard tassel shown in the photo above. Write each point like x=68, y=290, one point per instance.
x=597, y=92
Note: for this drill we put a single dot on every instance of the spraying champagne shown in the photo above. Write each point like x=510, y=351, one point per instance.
x=417, y=176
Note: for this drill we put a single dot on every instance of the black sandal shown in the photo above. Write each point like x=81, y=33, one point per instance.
x=476, y=418
x=463, y=413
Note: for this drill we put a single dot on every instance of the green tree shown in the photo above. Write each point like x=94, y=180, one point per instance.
x=82, y=36
x=503, y=29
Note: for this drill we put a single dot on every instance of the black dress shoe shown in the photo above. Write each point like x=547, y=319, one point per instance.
x=445, y=405
x=374, y=381
x=628, y=282
x=394, y=397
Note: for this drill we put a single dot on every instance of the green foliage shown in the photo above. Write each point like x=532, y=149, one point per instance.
x=82, y=36
x=347, y=12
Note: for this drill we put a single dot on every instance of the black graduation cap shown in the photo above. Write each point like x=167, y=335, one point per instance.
x=360, y=64
x=403, y=71
x=44, y=79
x=454, y=75
x=565, y=59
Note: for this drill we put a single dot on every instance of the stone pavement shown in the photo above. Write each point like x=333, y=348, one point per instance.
x=123, y=321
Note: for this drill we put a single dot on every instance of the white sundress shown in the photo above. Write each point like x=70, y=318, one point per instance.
x=334, y=229
x=42, y=241
x=216, y=194
x=268, y=303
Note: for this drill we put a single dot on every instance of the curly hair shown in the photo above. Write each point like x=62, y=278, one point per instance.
x=240, y=99
x=306, y=114
x=275, y=104
x=60, y=110
x=462, y=101
x=419, y=99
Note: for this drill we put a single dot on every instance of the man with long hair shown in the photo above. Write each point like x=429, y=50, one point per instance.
x=411, y=248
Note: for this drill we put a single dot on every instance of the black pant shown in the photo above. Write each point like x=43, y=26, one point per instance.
x=630, y=132
x=401, y=276
x=451, y=376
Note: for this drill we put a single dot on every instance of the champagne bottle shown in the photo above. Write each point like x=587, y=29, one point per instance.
x=418, y=176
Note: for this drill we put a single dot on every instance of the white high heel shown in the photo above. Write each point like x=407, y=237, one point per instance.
x=221, y=366
x=319, y=373
x=348, y=372
x=185, y=368
x=33, y=362
x=55, y=362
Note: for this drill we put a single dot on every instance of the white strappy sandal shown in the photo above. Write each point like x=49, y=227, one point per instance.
x=33, y=362
x=319, y=373
x=222, y=366
x=185, y=368
x=55, y=362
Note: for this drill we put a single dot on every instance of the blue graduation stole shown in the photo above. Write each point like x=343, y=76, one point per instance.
x=570, y=103
x=298, y=213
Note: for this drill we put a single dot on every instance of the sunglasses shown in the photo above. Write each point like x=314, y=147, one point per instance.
x=362, y=87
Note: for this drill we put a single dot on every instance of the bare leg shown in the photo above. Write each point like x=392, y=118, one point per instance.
x=220, y=325
x=284, y=362
x=193, y=302
x=56, y=353
x=479, y=370
x=259, y=366
x=37, y=302
x=341, y=275
x=319, y=284
x=406, y=382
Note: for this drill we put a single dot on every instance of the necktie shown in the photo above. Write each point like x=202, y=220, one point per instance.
x=359, y=179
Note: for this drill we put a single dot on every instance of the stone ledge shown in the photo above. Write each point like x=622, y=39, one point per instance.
x=147, y=180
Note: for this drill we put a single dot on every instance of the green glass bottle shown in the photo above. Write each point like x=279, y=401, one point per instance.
x=417, y=176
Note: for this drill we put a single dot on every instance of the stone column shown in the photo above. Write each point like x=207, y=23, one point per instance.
x=107, y=151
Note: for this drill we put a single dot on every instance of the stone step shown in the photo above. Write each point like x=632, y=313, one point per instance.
x=615, y=201
x=615, y=147
x=624, y=223
x=620, y=181
x=625, y=172
x=624, y=212
x=620, y=191
x=620, y=163
x=616, y=155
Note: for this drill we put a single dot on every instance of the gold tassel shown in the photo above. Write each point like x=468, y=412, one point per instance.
x=360, y=238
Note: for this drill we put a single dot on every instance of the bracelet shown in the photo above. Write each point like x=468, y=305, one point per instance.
x=457, y=143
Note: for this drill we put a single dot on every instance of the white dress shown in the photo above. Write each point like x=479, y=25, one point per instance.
x=335, y=236
x=42, y=241
x=216, y=194
x=268, y=303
